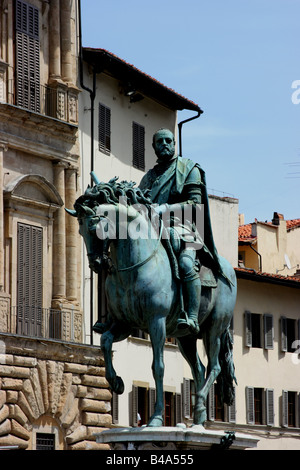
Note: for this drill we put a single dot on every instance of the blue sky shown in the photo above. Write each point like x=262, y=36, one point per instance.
x=237, y=59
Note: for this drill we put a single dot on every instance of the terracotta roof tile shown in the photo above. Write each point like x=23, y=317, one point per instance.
x=268, y=275
x=245, y=231
x=291, y=224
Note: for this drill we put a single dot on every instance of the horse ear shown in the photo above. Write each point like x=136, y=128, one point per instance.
x=71, y=212
x=87, y=210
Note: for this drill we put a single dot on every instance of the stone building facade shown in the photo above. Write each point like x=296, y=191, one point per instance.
x=48, y=380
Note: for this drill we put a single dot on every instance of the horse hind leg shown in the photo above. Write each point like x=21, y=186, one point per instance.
x=107, y=339
x=157, y=331
x=188, y=348
x=212, y=346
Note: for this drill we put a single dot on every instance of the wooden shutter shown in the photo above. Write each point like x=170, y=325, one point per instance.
x=248, y=329
x=250, y=405
x=283, y=327
x=186, y=398
x=232, y=411
x=152, y=397
x=268, y=331
x=115, y=408
x=27, y=56
x=270, y=407
x=29, y=279
x=138, y=146
x=178, y=408
x=134, y=405
x=285, y=408
x=211, y=403
x=104, y=129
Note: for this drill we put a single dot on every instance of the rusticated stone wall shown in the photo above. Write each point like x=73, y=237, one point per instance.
x=48, y=386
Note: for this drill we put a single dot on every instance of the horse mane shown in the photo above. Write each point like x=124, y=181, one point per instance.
x=113, y=192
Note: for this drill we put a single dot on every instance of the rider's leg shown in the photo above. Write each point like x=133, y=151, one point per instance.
x=191, y=290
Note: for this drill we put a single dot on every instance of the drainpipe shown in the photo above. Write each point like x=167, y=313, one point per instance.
x=180, y=129
x=92, y=93
x=260, y=258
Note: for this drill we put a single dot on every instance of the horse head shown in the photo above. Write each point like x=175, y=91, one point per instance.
x=88, y=220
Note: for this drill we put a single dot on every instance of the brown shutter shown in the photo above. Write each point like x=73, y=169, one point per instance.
x=104, y=129
x=152, y=398
x=178, y=408
x=27, y=56
x=138, y=146
x=29, y=279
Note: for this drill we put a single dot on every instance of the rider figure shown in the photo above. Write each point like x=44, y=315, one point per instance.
x=173, y=182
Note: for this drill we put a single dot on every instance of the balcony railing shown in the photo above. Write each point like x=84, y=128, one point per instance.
x=45, y=323
x=56, y=102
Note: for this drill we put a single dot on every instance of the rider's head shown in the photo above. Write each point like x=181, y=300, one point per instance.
x=164, y=144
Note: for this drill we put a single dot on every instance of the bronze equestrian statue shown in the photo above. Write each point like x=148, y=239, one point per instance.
x=171, y=284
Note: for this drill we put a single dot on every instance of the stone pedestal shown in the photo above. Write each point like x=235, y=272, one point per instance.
x=179, y=438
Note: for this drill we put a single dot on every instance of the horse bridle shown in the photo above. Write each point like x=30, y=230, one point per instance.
x=141, y=263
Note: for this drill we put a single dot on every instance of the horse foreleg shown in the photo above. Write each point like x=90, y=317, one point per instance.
x=188, y=348
x=157, y=330
x=111, y=336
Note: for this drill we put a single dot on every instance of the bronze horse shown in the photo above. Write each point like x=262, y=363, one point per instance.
x=142, y=292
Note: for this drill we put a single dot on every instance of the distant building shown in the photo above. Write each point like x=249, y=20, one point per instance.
x=53, y=394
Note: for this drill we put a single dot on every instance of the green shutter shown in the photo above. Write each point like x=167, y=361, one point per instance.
x=232, y=411
x=211, y=403
x=268, y=331
x=270, y=407
x=186, y=398
x=250, y=405
x=248, y=329
x=283, y=325
x=285, y=408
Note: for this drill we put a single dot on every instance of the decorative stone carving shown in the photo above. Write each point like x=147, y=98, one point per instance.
x=47, y=383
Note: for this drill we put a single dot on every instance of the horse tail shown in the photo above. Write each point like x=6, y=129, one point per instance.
x=227, y=377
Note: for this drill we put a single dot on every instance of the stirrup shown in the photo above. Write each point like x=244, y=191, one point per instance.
x=188, y=324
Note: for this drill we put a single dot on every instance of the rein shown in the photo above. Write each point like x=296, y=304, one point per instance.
x=141, y=263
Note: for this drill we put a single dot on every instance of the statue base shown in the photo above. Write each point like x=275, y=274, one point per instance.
x=179, y=438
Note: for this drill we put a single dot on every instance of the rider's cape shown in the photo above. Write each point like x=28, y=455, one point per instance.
x=169, y=186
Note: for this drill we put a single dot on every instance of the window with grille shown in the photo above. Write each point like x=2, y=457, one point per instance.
x=138, y=146
x=45, y=441
x=27, y=56
x=29, y=279
x=104, y=129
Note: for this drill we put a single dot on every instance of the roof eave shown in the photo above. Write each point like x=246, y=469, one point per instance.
x=104, y=61
x=253, y=275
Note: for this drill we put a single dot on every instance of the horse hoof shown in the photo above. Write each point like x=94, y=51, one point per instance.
x=155, y=421
x=118, y=385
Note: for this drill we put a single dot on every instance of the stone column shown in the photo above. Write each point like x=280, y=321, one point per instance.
x=65, y=27
x=71, y=237
x=59, y=237
x=3, y=148
x=54, y=40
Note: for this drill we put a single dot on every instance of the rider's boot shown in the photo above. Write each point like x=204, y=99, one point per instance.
x=191, y=291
